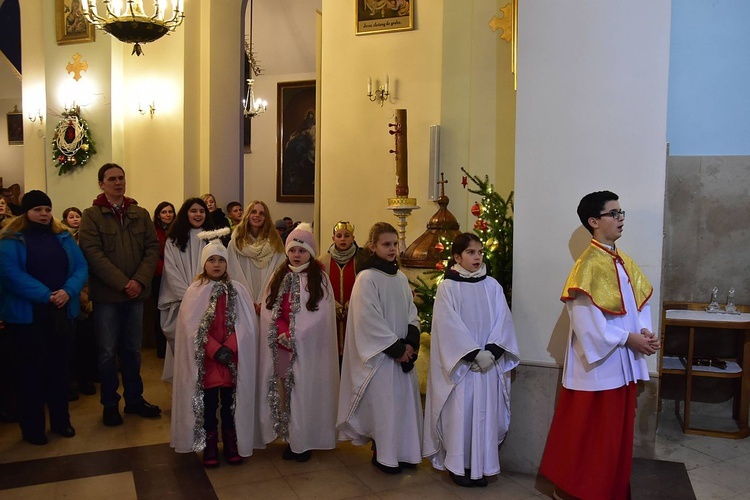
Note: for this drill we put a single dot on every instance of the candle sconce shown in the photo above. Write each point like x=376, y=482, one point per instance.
x=37, y=116
x=151, y=109
x=381, y=94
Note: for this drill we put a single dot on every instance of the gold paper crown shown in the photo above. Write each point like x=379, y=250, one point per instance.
x=343, y=224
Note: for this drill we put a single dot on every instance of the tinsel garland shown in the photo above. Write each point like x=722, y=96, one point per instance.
x=201, y=337
x=280, y=414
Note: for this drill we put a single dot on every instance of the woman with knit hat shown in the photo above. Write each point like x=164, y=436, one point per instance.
x=42, y=272
x=298, y=375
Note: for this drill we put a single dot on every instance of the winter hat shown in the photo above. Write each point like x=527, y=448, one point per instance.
x=35, y=198
x=302, y=236
x=280, y=224
x=215, y=247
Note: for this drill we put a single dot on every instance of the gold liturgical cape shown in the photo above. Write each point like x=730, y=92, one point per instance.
x=595, y=274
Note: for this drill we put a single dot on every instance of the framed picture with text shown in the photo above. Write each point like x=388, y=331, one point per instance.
x=382, y=16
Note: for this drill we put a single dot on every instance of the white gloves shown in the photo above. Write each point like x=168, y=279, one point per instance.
x=484, y=361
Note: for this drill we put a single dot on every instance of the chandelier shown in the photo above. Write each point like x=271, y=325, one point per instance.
x=252, y=106
x=127, y=21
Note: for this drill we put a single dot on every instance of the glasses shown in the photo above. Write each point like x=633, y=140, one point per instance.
x=615, y=214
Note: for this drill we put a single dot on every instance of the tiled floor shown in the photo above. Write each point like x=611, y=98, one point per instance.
x=718, y=468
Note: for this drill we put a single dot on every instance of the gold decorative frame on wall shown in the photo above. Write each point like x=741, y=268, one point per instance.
x=382, y=16
x=70, y=24
x=15, y=128
x=295, y=143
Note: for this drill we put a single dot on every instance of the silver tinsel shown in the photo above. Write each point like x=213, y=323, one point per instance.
x=201, y=337
x=280, y=413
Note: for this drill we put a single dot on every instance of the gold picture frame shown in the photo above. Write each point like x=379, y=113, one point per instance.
x=295, y=143
x=15, y=128
x=70, y=23
x=383, y=16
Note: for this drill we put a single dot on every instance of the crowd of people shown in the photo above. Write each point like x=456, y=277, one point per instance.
x=265, y=339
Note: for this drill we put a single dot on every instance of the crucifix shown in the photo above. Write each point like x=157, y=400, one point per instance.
x=77, y=66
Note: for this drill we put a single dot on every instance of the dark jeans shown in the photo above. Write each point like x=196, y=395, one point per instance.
x=211, y=404
x=119, y=331
x=41, y=355
x=83, y=364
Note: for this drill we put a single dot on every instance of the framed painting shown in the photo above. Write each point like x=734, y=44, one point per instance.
x=70, y=24
x=381, y=16
x=295, y=170
x=15, y=128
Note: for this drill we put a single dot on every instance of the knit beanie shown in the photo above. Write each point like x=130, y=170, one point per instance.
x=215, y=247
x=280, y=224
x=35, y=198
x=302, y=236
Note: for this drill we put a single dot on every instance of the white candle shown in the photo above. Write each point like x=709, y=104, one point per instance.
x=387, y=83
x=369, y=86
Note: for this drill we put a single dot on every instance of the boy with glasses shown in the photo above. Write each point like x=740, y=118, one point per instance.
x=590, y=444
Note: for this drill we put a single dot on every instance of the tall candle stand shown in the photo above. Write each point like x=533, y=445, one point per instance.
x=402, y=206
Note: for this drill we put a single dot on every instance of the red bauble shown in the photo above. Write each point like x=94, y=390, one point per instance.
x=481, y=225
x=476, y=209
x=60, y=159
x=439, y=266
x=439, y=247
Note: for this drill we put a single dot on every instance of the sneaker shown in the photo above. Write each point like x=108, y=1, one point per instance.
x=144, y=409
x=111, y=416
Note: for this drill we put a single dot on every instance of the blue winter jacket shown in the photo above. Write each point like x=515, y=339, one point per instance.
x=19, y=290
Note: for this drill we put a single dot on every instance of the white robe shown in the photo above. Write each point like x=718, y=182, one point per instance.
x=468, y=413
x=243, y=269
x=312, y=424
x=185, y=383
x=180, y=270
x=377, y=400
x=596, y=358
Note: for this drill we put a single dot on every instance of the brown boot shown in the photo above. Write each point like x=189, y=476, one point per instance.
x=231, y=455
x=211, y=453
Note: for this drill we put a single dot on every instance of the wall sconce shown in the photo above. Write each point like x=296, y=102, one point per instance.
x=151, y=109
x=37, y=116
x=381, y=94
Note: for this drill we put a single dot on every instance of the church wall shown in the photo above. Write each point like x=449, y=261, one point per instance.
x=357, y=172
x=708, y=74
x=705, y=241
x=11, y=156
x=590, y=116
x=284, y=41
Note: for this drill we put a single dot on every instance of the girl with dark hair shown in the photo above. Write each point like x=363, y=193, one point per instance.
x=379, y=395
x=297, y=361
x=163, y=218
x=182, y=260
x=473, y=349
x=217, y=216
x=42, y=272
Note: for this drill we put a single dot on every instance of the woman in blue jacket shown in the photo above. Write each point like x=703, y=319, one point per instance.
x=42, y=272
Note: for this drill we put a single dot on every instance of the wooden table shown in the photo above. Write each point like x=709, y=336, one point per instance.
x=694, y=317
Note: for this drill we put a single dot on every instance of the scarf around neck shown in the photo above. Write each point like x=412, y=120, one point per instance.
x=342, y=258
x=259, y=252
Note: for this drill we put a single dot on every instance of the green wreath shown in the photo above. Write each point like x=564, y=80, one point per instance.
x=72, y=145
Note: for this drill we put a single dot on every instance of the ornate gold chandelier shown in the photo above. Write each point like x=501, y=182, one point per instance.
x=127, y=21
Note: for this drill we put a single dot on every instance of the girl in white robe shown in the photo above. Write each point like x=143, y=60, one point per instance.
x=215, y=351
x=255, y=251
x=473, y=349
x=298, y=375
x=182, y=259
x=379, y=395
